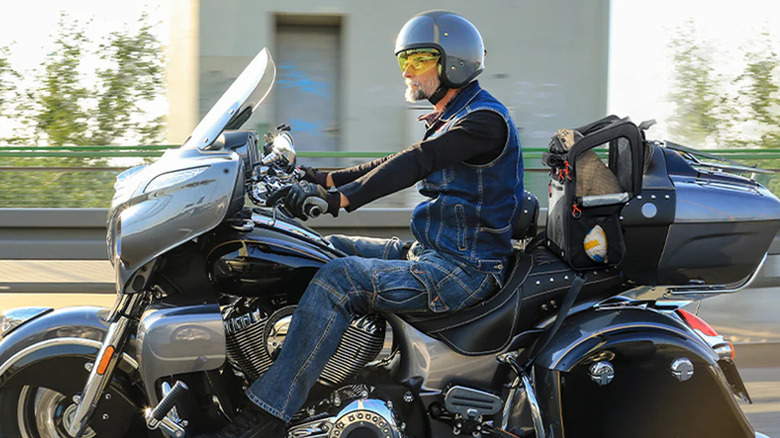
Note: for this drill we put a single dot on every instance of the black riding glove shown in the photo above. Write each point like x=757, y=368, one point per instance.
x=306, y=200
x=314, y=175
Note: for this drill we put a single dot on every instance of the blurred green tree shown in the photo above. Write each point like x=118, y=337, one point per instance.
x=8, y=76
x=695, y=93
x=58, y=104
x=758, y=92
x=69, y=107
x=136, y=76
x=65, y=111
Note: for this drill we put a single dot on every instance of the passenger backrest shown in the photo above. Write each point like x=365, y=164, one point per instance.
x=525, y=227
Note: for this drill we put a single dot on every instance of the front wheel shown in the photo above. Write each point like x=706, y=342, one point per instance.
x=36, y=412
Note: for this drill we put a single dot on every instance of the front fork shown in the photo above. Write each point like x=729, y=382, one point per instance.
x=122, y=318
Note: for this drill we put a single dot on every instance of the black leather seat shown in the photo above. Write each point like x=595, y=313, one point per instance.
x=532, y=293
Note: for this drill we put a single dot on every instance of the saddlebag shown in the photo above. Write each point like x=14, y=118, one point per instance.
x=586, y=194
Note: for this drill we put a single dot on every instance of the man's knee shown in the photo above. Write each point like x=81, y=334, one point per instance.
x=343, y=243
x=336, y=275
x=344, y=281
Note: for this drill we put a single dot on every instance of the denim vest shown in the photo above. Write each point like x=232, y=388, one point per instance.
x=470, y=209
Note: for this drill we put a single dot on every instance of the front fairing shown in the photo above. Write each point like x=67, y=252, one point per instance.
x=150, y=222
x=190, y=190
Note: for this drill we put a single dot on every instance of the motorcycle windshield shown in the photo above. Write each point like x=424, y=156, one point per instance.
x=237, y=104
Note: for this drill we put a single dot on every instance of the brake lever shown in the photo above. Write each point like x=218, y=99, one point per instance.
x=274, y=197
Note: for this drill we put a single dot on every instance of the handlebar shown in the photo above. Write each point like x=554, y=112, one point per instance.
x=276, y=173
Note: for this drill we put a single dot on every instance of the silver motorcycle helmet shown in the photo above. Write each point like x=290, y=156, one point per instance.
x=458, y=41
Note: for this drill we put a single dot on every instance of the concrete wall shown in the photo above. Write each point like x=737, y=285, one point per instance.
x=183, y=69
x=547, y=60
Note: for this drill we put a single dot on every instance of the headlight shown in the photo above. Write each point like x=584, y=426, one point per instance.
x=173, y=178
x=13, y=318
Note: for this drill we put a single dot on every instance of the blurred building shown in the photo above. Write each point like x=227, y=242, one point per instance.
x=338, y=82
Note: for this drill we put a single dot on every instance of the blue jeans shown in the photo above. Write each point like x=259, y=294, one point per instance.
x=373, y=279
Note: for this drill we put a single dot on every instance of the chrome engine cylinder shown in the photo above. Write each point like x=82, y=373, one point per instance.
x=245, y=343
x=254, y=337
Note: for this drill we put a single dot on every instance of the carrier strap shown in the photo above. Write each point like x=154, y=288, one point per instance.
x=563, y=312
x=535, y=242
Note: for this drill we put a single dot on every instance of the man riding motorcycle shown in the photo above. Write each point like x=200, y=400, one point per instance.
x=469, y=166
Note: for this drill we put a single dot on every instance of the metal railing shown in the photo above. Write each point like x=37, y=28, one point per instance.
x=83, y=176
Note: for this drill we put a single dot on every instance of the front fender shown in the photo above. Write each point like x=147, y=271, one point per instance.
x=72, y=334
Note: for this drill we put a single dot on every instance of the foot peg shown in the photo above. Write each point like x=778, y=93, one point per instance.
x=159, y=418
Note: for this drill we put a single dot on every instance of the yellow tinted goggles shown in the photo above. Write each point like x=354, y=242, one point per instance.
x=419, y=62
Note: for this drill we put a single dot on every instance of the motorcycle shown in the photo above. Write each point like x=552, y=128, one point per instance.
x=207, y=286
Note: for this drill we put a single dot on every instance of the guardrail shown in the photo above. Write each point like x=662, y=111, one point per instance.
x=80, y=234
x=83, y=176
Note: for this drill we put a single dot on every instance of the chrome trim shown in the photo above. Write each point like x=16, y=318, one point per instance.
x=728, y=289
x=510, y=402
x=536, y=411
x=59, y=341
x=47, y=408
x=682, y=369
x=692, y=291
x=602, y=372
x=170, y=426
x=312, y=429
x=12, y=318
x=268, y=222
x=376, y=413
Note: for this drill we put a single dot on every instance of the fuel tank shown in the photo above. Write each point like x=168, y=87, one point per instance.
x=265, y=254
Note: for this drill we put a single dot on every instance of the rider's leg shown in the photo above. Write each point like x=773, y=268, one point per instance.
x=349, y=286
x=368, y=247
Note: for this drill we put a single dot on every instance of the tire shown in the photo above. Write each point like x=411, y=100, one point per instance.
x=36, y=412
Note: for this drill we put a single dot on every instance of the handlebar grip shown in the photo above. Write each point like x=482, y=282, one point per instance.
x=314, y=206
x=312, y=210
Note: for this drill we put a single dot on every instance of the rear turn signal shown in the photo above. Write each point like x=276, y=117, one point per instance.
x=697, y=323
x=722, y=347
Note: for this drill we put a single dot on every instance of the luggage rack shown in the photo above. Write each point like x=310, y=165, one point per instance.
x=691, y=292
x=724, y=165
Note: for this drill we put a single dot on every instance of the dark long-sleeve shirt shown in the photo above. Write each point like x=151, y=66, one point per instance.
x=478, y=138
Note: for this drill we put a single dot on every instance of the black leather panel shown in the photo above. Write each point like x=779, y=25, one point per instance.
x=525, y=227
x=534, y=290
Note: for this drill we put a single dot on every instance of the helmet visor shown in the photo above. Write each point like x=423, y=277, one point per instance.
x=419, y=60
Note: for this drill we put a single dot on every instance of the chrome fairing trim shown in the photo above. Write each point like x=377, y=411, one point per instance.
x=55, y=342
x=178, y=340
x=437, y=364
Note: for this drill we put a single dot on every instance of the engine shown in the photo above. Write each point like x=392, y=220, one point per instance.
x=255, y=337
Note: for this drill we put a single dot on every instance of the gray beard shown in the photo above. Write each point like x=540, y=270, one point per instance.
x=422, y=92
